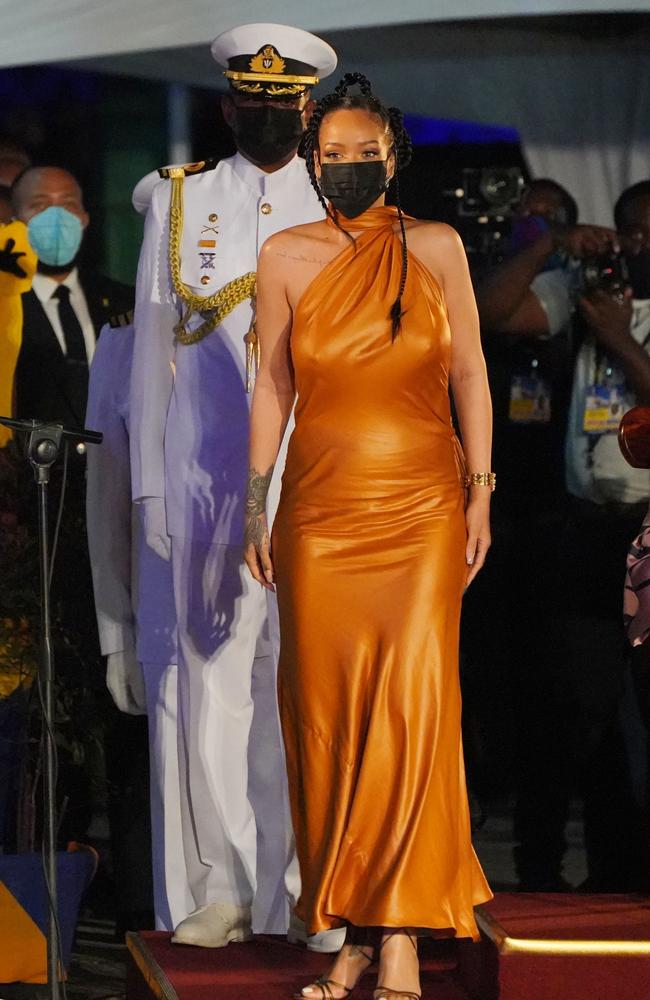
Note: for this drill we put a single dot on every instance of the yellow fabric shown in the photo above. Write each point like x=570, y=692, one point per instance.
x=369, y=550
x=11, y=316
x=18, y=655
x=23, y=955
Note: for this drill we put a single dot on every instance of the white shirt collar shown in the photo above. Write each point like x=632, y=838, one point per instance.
x=640, y=312
x=45, y=287
x=261, y=182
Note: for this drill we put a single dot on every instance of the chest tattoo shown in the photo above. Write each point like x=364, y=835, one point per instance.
x=300, y=258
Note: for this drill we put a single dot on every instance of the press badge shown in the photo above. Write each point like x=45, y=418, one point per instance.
x=605, y=404
x=530, y=400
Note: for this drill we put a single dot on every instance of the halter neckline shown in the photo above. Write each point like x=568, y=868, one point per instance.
x=380, y=217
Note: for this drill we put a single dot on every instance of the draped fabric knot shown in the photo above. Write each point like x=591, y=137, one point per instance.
x=380, y=217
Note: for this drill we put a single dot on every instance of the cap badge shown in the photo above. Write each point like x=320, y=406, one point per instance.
x=267, y=60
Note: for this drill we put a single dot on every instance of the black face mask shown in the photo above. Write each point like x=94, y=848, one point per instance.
x=353, y=187
x=267, y=135
x=638, y=266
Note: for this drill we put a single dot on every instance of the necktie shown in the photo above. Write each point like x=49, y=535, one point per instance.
x=72, y=332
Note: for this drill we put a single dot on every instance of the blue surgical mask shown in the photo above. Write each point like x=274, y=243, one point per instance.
x=55, y=235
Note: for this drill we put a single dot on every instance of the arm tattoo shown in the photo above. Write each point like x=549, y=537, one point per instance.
x=256, y=532
x=258, y=487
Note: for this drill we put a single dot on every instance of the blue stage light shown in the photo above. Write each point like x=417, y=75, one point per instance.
x=425, y=131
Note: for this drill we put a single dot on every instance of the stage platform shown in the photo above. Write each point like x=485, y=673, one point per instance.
x=533, y=947
x=266, y=967
x=552, y=946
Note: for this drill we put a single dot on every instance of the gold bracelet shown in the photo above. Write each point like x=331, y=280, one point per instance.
x=481, y=479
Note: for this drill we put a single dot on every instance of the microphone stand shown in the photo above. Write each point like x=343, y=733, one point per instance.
x=41, y=450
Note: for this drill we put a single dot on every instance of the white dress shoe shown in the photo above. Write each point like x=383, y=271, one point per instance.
x=326, y=942
x=214, y=926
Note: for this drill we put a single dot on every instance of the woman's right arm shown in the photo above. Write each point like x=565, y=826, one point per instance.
x=273, y=399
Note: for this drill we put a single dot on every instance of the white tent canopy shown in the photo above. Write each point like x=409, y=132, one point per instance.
x=576, y=87
x=39, y=31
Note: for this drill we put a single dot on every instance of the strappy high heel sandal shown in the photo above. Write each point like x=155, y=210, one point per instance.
x=361, y=939
x=386, y=992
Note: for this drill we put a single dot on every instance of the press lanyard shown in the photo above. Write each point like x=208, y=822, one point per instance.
x=530, y=397
x=606, y=400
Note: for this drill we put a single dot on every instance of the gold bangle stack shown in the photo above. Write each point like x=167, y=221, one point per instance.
x=481, y=479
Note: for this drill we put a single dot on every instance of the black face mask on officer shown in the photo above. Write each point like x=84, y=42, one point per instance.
x=267, y=134
x=353, y=187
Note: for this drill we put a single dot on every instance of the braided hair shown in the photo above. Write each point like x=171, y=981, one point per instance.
x=392, y=119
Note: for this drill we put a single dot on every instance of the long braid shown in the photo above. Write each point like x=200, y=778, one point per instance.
x=396, y=308
x=403, y=151
x=308, y=148
x=309, y=143
x=402, y=148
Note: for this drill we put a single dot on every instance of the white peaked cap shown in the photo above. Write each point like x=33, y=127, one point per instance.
x=292, y=44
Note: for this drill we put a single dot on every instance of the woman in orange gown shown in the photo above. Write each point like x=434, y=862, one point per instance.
x=373, y=545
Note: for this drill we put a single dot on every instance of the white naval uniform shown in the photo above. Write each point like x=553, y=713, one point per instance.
x=135, y=606
x=189, y=445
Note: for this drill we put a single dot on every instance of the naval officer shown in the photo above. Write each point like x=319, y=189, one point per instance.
x=134, y=601
x=194, y=358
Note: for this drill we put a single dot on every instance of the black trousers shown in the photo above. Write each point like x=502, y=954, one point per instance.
x=504, y=621
x=568, y=704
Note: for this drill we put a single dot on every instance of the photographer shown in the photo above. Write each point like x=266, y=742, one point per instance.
x=569, y=694
x=608, y=502
x=525, y=309
x=530, y=294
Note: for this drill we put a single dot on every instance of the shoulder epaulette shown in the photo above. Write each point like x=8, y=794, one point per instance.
x=188, y=169
x=121, y=319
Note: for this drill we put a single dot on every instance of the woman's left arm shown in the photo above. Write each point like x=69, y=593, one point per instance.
x=470, y=388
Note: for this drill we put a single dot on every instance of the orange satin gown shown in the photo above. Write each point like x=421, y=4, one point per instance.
x=369, y=552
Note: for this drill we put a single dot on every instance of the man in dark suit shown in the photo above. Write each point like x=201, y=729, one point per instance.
x=62, y=316
x=66, y=306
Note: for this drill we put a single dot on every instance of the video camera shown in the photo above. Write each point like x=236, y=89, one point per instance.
x=490, y=192
x=485, y=202
x=608, y=273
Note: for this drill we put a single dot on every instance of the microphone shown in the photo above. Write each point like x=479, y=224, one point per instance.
x=80, y=437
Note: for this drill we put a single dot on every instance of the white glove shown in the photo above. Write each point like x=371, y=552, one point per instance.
x=155, y=527
x=125, y=681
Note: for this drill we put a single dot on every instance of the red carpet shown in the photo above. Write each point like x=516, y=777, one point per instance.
x=267, y=967
x=557, y=946
x=565, y=916
x=534, y=947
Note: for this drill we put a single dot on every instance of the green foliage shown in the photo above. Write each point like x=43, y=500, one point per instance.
x=18, y=595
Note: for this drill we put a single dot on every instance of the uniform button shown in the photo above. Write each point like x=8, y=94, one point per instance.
x=205, y=280
x=213, y=217
x=266, y=209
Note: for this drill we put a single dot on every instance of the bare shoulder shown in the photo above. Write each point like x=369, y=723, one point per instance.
x=436, y=236
x=440, y=248
x=291, y=240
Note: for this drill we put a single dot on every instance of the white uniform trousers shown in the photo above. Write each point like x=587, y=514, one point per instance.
x=237, y=836
x=172, y=898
